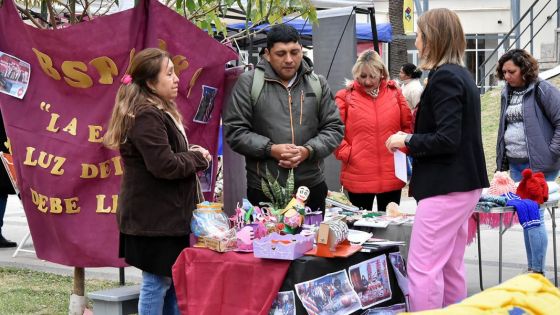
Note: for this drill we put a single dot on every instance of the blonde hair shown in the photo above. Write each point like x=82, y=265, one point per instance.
x=442, y=37
x=132, y=97
x=370, y=60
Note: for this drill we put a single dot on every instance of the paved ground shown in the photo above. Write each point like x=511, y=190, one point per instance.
x=514, y=260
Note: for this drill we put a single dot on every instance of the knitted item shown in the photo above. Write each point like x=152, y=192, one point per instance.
x=501, y=183
x=533, y=186
x=527, y=211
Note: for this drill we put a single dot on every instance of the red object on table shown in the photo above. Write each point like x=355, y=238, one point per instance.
x=211, y=283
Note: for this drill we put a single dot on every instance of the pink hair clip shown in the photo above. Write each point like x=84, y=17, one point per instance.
x=126, y=79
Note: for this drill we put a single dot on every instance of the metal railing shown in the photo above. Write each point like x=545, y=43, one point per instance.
x=517, y=38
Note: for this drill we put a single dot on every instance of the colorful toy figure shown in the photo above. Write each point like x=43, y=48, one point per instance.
x=295, y=210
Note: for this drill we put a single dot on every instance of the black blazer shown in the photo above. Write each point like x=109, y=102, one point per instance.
x=447, y=141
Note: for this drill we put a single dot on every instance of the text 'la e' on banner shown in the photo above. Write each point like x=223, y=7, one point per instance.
x=69, y=182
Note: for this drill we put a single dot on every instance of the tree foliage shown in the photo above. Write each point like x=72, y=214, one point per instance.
x=206, y=14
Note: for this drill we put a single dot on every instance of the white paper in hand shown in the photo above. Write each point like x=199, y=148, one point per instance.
x=400, y=165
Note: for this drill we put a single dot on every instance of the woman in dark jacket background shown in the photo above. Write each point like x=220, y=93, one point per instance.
x=449, y=170
x=529, y=135
x=159, y=188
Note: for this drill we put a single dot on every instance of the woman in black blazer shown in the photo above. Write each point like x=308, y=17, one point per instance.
x=449, y=170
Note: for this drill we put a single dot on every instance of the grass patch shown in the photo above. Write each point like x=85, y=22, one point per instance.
x=31, y=292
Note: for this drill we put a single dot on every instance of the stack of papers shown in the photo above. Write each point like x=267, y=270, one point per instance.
x=377, y=222
x=375, y=243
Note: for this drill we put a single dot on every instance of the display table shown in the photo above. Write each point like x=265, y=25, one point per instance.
x=393, y=232
x=549, y=206
x=211, y=283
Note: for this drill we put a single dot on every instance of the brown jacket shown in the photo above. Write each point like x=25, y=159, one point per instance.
x=158, y=189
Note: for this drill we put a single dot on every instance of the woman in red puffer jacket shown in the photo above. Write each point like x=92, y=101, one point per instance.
x=372, y=108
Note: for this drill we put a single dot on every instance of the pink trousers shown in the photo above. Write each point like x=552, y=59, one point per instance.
x=437, y=247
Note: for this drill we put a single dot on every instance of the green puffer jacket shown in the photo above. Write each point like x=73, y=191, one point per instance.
x=249, y=128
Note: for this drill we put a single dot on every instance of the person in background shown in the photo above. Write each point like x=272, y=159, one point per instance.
x=410, y=84
x=159, y=188
x=6, y=188
x=372, y=107
x=449, y=169
x=288, y=126
x=529, y=131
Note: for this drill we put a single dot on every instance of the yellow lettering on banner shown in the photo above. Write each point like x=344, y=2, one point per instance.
x=103, y=169
x=74, y=74
x=72, y=205
x=56, y=206
x=162, y=44
x=44, y=161
x=36, y=201
x=52, y=123
x=101, y=204
x=106, y=68
x=71, y=127
x=130, y=56
x=46, y=64
x=117, y=163
x=8, y=145
x=28, y=157
x=180, y=62
x=94, y=133
x=89, y=171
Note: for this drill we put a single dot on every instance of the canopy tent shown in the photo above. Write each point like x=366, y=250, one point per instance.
x=363, y=30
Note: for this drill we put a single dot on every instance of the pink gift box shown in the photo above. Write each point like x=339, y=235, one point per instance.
x=287, y=247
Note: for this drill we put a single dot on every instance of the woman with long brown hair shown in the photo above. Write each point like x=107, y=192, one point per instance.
x=159, y=188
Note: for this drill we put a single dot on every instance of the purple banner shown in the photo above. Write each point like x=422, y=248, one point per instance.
x=69, y=182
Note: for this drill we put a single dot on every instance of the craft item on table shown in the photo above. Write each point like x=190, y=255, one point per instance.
x=312, y=217
x=339, y=199
x=209, y=220
x=287, y=247
x=245, y=237
x=358, y=237
x=211, y=227
x=377, y=222
x=295, y=210
x=227, y=243
x=392, y=210
x=332, y=240
x=533, y=186
x=500, y=184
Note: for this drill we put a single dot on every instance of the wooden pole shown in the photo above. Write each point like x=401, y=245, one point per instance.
x=79, y=275
x=77, y=299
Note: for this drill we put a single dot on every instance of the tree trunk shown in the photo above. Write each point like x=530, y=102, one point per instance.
x=397, y=48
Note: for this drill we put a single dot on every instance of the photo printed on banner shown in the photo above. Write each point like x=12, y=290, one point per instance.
x=205, y=178
x=284, y=304
x=399, y=267
x=14, y=75
x=370, y=280
x=206, y=105
x=331, y=294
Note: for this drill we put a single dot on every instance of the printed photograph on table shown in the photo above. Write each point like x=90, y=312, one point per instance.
x=399, y=267
x=370, y=280
x=14, y=75
x=389, y=310
x=206, y=105
x=284, y=304
x=205, y=178
x=331, y=294
x=398, y=263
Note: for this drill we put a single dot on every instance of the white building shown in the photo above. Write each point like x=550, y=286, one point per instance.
x=486, y=24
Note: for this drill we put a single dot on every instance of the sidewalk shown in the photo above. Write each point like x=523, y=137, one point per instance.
x=514, y=257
